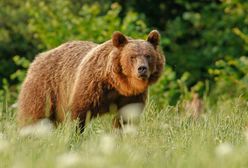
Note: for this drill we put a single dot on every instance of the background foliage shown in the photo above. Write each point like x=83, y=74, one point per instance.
x=205, y=42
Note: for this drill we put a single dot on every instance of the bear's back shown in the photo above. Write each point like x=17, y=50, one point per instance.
x=55, y=69
x=60, y=62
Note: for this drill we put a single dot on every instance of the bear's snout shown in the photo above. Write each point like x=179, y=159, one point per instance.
x=143, y=72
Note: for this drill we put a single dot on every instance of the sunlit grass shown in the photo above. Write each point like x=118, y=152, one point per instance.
x=164, y=138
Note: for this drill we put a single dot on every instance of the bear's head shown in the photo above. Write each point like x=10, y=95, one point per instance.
x=136, y=63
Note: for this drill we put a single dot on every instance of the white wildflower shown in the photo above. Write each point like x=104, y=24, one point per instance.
x=2, y=136
x=4, y=144
x=14, y=106
x=129, y=129
x=107, y=144
x=70, y=159
x=224, y=149
x=19, y=164
x=246, y=134
x=165, y=126
x=42, y=128
x=131, y=112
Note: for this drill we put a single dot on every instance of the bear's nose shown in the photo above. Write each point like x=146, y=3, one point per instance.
x=142, y=70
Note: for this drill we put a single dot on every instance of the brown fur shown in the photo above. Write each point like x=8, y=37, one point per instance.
x=80, y=77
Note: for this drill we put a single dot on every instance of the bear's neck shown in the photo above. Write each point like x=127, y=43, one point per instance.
x=94, y=64
x=128, y=86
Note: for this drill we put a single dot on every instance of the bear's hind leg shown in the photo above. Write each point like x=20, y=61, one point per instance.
x=34, y=103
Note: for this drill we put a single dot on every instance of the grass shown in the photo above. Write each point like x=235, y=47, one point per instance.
x=164, y=138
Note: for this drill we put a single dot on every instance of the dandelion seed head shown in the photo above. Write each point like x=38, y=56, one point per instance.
x=130, y=129
x=165, y=126
x=19, y=164
x=2, y=136
x=42, y=128
x=4, y=143
x=246, y=134
x=223, y=149
x=107, y=144
x=68, y=160
x=131, y=112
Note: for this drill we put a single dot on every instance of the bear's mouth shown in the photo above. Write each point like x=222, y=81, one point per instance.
x=143, y=77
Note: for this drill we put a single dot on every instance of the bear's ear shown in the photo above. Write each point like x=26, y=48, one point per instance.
x=118, y=39
x=154, y=38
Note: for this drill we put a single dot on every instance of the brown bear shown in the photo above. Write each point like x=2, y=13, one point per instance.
x=82, y=78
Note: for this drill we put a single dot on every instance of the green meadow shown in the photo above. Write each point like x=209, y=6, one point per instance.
x=163, y=138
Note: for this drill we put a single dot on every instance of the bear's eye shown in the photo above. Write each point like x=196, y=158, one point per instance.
x=132, y=57
x=148, y=57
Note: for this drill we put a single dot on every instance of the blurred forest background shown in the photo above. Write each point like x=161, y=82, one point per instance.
x=205, y=42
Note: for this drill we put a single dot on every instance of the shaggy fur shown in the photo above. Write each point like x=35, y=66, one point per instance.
x=80, y=78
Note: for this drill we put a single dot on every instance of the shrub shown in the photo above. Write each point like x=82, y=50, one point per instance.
x=56, y=22
x=231, y=77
